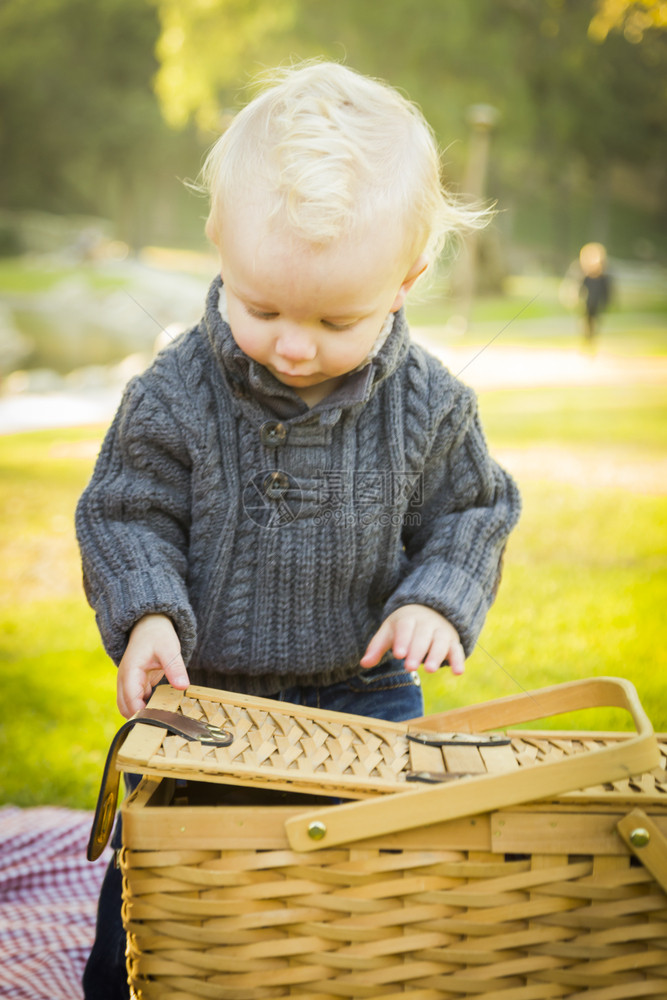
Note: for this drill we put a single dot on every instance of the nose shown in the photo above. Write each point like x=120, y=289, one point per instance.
x=295, y=344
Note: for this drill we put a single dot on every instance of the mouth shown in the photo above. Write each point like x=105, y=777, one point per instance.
x=285, y=374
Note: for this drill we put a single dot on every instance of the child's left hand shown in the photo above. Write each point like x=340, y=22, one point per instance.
x=419, y=635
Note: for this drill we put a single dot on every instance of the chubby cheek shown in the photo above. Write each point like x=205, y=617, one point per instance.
x=344, y=357
x=251, y=340
x=341, y=362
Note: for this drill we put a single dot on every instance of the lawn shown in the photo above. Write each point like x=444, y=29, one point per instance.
x=58, y=698
x=584, y=589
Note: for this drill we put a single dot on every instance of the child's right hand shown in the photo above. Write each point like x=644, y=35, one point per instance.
x=153, y=651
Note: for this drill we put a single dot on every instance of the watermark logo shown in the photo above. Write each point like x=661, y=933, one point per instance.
x=272, y=499
x=370, y=488
x=369, y=497
x=275, y=499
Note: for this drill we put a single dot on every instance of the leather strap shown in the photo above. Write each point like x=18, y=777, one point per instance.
x=107, y=800
x=436, y=777
x=459, y=740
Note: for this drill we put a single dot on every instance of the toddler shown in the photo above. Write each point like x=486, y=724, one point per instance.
x=295, y=500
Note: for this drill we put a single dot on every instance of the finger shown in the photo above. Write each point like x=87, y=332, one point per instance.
x=404, y=632
x=456, y=658
x=438, y=651
x=379, y=644
x=129, y=693
x=121, y=699
x=122, y=704
x=176, y=673
x=444, y=648
x=422, y=641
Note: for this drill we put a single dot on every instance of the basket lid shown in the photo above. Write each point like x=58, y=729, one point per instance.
x=279, y=745
x=250, y=741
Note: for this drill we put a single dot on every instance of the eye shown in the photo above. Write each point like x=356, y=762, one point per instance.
x=260, y=314
x=328, y=325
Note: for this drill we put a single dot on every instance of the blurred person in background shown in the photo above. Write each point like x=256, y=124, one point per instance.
x=595, y=289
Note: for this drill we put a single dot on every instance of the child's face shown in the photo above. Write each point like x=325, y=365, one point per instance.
x=309, y=315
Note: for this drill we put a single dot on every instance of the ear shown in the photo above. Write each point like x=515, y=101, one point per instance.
x=417, y=268
x=212, y=231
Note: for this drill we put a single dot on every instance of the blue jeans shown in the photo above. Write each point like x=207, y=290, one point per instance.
x=387, y=691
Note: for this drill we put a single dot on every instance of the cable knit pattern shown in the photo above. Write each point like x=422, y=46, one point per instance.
x=277, y=554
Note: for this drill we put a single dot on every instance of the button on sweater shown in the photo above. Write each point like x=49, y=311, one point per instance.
x=276, y=537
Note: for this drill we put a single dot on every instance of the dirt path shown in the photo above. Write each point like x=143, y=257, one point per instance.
x=497, y=367
x=608, y=468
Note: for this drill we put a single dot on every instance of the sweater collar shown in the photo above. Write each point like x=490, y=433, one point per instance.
x=248, y=376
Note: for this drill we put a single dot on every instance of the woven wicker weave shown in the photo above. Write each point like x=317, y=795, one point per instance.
x=279, y=745
x=275, y=745
x=555, y=897
x=440, y=916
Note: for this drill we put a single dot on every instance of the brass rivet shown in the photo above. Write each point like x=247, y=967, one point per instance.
x=640, y=837
x=317, y=830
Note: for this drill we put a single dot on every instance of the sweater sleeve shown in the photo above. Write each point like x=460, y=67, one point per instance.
x=133, y=520
x=459, y=522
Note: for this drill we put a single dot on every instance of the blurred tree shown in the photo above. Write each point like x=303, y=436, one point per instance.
x=571, y=109
x=208, y=46
x=632, y=17
x=563, y=98
x=579, y=85
x=592, y=107
x=80, y=130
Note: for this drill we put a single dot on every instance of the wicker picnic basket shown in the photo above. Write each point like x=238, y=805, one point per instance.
x=462, y=863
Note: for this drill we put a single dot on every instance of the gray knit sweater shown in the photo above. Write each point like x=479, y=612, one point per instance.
x=276, y=537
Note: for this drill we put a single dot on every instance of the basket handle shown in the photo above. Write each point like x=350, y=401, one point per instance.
x=330, y=826
x=528, y=706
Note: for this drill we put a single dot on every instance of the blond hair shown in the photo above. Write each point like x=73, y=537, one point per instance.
x=335, y=151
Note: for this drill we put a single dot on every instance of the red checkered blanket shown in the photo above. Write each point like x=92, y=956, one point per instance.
x=48, y=902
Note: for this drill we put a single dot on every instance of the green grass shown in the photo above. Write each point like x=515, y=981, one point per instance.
x=59, y=693
x=21, y=276
x=583, y=594
x=58, y=697
x=604, y=417
x=584, y=587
